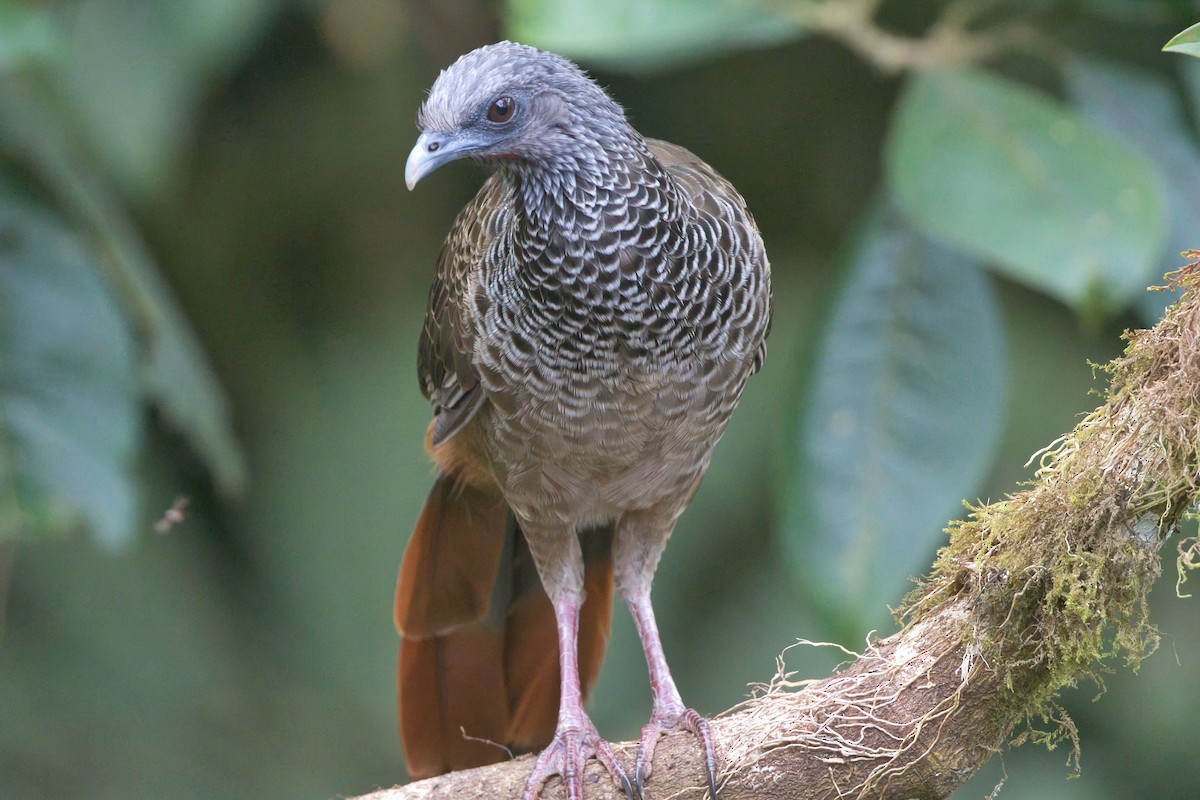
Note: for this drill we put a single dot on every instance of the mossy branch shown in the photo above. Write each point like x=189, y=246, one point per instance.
x=1032, y=594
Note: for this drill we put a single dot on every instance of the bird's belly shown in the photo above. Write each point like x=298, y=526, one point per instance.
x=595, y=454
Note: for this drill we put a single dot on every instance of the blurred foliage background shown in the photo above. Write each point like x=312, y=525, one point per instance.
x=212, y=282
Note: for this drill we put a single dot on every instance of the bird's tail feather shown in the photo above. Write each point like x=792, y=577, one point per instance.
x=478, y=657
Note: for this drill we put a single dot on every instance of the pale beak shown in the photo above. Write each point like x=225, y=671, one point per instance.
x=433, y=149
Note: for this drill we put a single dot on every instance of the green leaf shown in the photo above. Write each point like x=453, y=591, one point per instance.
x=139, y=71
x=174, y=370
x=1019, y=180
x=179, y=380
x=1186, y=42
x=632, y=35
x=1143, y=110
x=903, y=418
x=69, y=414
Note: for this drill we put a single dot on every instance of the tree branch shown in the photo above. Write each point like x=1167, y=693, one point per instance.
x=1031, y=594
x=950, y=40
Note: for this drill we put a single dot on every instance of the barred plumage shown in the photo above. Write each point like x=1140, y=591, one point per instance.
x=597, y=310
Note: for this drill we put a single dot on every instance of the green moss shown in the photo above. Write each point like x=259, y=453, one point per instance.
x=1058, y=575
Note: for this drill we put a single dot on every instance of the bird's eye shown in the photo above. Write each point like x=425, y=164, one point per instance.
x=501, y=109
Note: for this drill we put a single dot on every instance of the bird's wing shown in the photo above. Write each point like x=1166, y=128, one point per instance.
x=737, y=244
x=449, y=379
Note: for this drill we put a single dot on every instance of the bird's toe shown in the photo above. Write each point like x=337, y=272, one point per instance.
x=567, y=756
x=661, y=725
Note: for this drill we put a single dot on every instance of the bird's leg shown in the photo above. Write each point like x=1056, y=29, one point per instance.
x=641, y=538
x=669, y=713
x=575, y=737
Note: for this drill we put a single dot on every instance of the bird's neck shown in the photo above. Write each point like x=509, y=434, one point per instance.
x=589, y=186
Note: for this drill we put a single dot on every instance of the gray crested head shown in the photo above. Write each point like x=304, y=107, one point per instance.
x=516, y=104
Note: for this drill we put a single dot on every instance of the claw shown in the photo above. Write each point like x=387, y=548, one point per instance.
x=628, y=787
x=658, y=727
x=698, y=725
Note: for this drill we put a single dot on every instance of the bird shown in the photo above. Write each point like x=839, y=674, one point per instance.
x=597, y=310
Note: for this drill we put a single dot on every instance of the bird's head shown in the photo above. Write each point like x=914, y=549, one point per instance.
x=511, y=101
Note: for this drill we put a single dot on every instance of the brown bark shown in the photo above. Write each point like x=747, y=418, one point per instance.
x=899, y=722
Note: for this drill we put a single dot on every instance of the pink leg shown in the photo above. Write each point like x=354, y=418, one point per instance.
x=575, y=739
x=669, y=713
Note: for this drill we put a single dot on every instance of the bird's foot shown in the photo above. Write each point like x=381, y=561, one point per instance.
x=662, y=724
x=567, y=755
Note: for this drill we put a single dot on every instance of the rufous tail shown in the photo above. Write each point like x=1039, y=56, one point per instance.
x=478, y=669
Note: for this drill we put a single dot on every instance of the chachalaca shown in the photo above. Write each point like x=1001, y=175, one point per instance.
x=597, y=310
